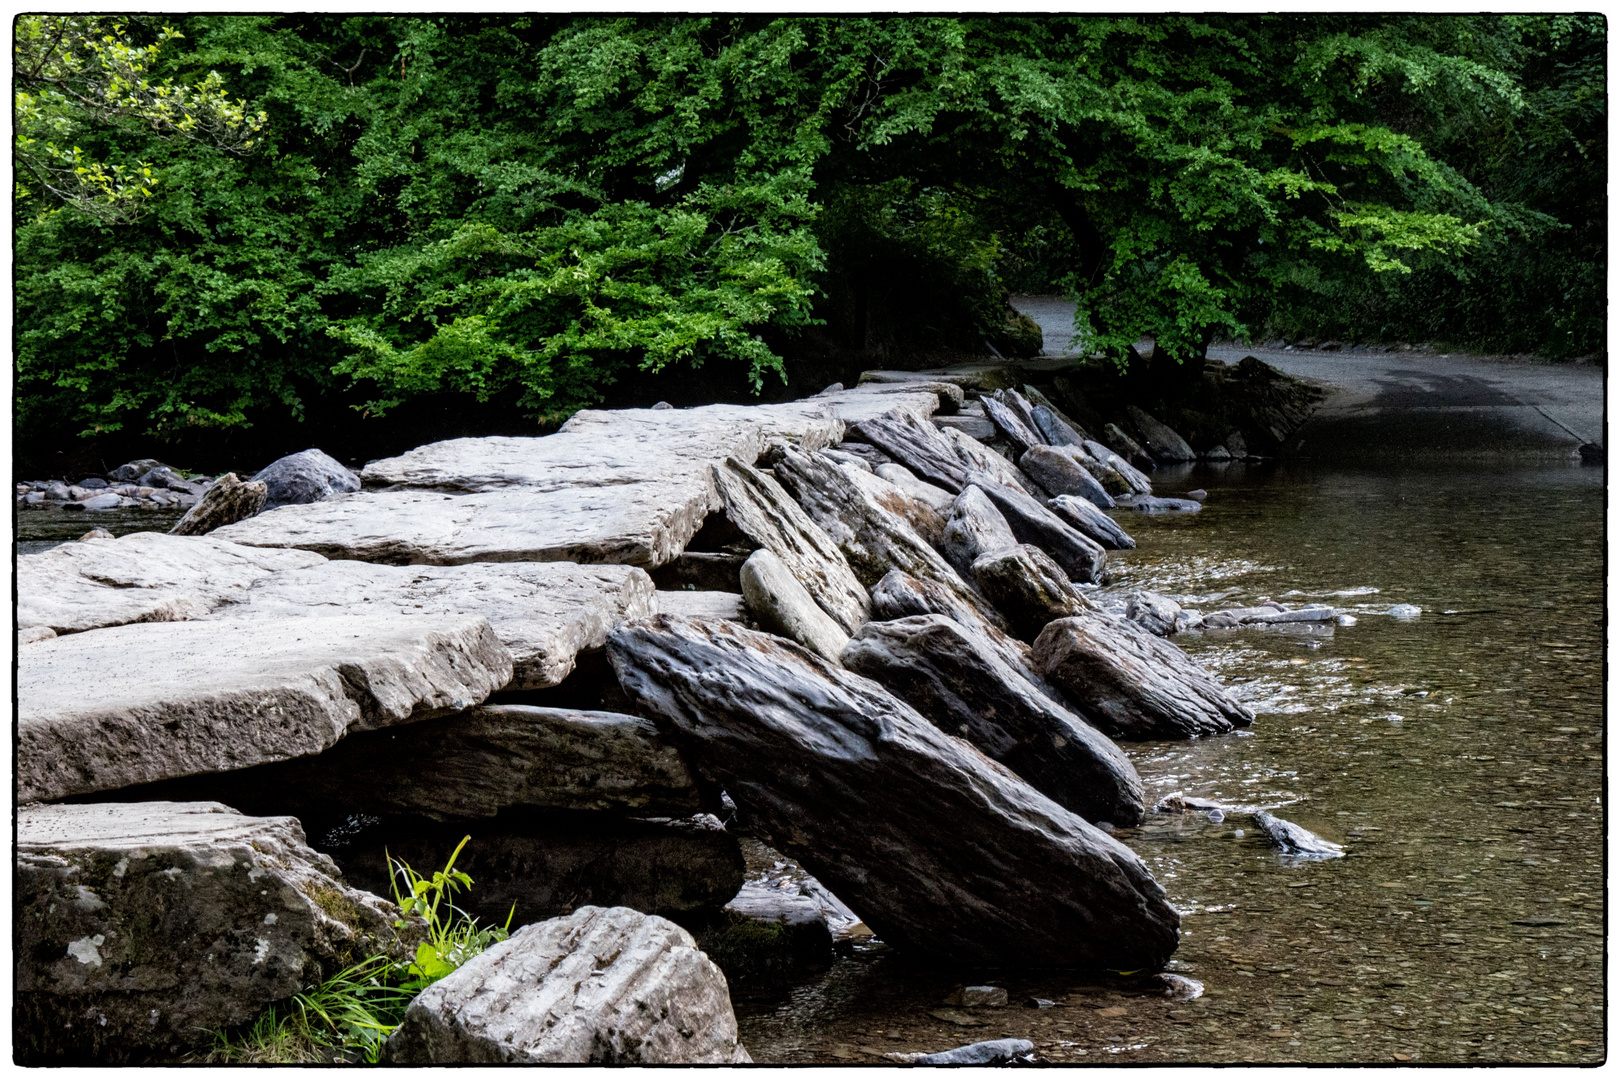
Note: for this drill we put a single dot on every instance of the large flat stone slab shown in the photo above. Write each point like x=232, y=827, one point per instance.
x=142, y=577
x=603, y=985
x=133, y=704
x=140, y=926
x=544, y=613
x=626, y=486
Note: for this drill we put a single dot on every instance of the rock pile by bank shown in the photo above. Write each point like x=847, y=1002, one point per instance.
x=471, y=639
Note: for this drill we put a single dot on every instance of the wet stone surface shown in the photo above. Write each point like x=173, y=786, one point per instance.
x=1457, y=756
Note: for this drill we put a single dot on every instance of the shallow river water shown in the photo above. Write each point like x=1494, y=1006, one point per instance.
x=1457, y=756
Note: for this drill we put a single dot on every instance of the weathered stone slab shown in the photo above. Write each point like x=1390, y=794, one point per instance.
x=1154, y=613
x=943, y=852
x=782, y=606
x=973, y=528
x=959, y=681
x=918, y=445
x=228, y=500
x=141, y=926
x=1081, y=557
x=758, y=506
x=873, y=539
x=702, y=604
x=1027, y=587
x=906, y=480
x=533, y=864
x=544, y=613
x=917, y=512
x=1131, y=684
x=1162, y=442
x=1054, y=429
x=600, y=986
x=142, y=577
x=1136, y=478
x=1154, y=504
x=1011, y=424
x=628, y=486
x=1089, y=519
x=468, y=765
x=305, y=477
x=980, y=458
x=975, y=426
x=900, y=596
x=194, y=697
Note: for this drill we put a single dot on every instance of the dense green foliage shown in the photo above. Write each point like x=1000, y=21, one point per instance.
x=527, y=210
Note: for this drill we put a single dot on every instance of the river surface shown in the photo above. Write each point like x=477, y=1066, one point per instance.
x=1458, y=756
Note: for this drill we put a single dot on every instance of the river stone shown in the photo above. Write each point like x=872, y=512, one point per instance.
x=1089, y=519
x=702, y=604
x=1064, y=474
x=1053, y=429
x=1131, y=684
x=193, y=697
x=96, y=502
x=873, y=539
x=142, y=577
x=1154, y=504
x=973, y=528
x=1163, y=443
x=1027, y=587
x=131, y=471
x=141, y=926
x=1154, y=613
x=227, y=502
x=900, y=596
x=1081, y=557
x=919, y=513
x=1011, y=425
x=305, y=477
x=468, y=765
x=1294, y=839
x=601, y=986
x=1126, y=447
x=1135, y=478
x=992, y=1052
x=975, y=426
x=762, y=511
x=531, y=865
x=942, y=852
x=544, y=613
x=783, y=925
x=962, y=684
x=906, y=480
x=918, y=445
x=782, y=606
x=980, y=458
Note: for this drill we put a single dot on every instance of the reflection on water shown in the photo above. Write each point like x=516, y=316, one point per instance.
x=1457, y=755
x=40, y=528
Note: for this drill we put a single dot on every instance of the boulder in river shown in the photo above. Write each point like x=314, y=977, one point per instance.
x=230, y=500
x=1294, y=839
x=1063, y=474
x=762, y=511
x=943, y=852
x=194, y=697
x=1027, y=587
x=961, y=683
x=782, y=606
x=131, y=471
x=305, y=477
x=1163, y=443
x=1089, y=519
x=872, y=538
x=991, y=1052
x=1132, y=684
x=1155, y=504
x=141, y=926
x=1154, y=613
x=974, y=527
x=1081, y=557
x=606, y=986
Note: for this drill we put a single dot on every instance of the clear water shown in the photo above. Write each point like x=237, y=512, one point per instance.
x=44, y=526
x=1458, y=756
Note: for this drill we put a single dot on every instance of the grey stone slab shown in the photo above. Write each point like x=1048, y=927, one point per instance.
x=544, y=613
x=142, y=577
x=702, y=604
x=192, y=697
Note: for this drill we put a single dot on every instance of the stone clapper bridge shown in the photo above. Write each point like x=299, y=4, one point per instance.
x=897, y=682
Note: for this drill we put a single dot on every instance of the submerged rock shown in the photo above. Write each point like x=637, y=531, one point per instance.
x=600, y=986
x=1154, y=504
x=992, y=1052
x=142, y=926
x=196, y=697
x=1154, y=613
x=1293, y=839
x=962, y=684
x=943, y=852
x=1127, y=681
